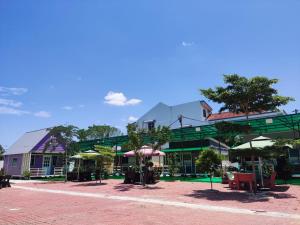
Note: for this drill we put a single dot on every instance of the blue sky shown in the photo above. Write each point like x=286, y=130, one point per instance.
x=60, y=59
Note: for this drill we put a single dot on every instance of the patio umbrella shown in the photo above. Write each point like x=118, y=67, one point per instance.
x=86, y=154
x=145, y=151
x=257, y=143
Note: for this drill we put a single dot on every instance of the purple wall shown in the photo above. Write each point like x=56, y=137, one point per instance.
x=38, y=161
x=9, y=169
x=39, y=148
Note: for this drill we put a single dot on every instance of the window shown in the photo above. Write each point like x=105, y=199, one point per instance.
x=32, y=160
x=46, y=162
x=14, y=162
x=294, y=155
x=151, y=125
x=204, y=113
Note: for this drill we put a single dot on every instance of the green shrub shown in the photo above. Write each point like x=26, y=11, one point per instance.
x=26, y=174
x=2, y=172
x=209, y=162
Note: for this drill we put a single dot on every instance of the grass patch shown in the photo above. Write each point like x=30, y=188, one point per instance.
x=293, y=181
x=183, y=179
x=116, y=177
x=192, y=179
x=50, y=179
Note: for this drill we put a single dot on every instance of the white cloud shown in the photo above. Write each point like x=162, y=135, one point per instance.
x=187, y=44
x=42, y=114
x=12, y=111
x=10, y=102
x=81, y=106
x=133, y=101
x=67, y=107
x=132, y=119
x=119, y=99
x=6, y=91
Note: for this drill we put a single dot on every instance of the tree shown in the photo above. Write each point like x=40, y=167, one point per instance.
x=99, y=132
x=82, y=135
x=247, y=95
x=227, y=132
x=159, y=136
x=173, y=163
x=65, y=136
x=104, y=157
x=136, y=142
x=136, y=139
x=1, y=152
x=208, y=162
x=243, y=95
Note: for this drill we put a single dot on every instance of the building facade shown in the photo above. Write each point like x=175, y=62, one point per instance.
x=28, y=154
x=192, y=113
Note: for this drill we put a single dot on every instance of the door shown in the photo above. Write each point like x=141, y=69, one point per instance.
x=47, y=164
x=187, y=162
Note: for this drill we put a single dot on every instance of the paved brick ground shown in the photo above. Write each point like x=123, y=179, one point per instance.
x=29, y=207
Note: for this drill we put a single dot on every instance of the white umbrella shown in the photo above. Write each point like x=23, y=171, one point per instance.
x=258, y=143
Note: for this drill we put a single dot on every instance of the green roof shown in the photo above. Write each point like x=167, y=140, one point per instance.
x=260, y=126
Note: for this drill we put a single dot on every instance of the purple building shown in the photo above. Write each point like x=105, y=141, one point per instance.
x=28, y=153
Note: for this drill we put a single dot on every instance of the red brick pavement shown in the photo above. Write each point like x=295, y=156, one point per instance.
x=29, y=207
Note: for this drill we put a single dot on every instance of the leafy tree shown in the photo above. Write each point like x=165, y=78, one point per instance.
x=1, y=151
x=173, y=163
x=82, y=134
x=104, y=158
x=283, y=142
x=159, y=136
x=99, y=132
x=208, y=162
x=135, y=142
x=247, y=95
x=228, y=131
x=65, y=136
x=137, y=137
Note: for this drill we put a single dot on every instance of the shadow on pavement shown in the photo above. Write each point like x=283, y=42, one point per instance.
x=244, y=197
x=128, y=187
x=216, y=195
x=124, y=187
x=94, y=184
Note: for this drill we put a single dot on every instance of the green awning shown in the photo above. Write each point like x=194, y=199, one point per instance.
x=184, y=149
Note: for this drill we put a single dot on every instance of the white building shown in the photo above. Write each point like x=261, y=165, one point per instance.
x=193, y=114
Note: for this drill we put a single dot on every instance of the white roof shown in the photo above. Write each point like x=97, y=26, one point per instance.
x=27, y=142
x=259, y=142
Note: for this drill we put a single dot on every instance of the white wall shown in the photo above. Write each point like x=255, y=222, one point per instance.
x=1, y=164
x=165, y=115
